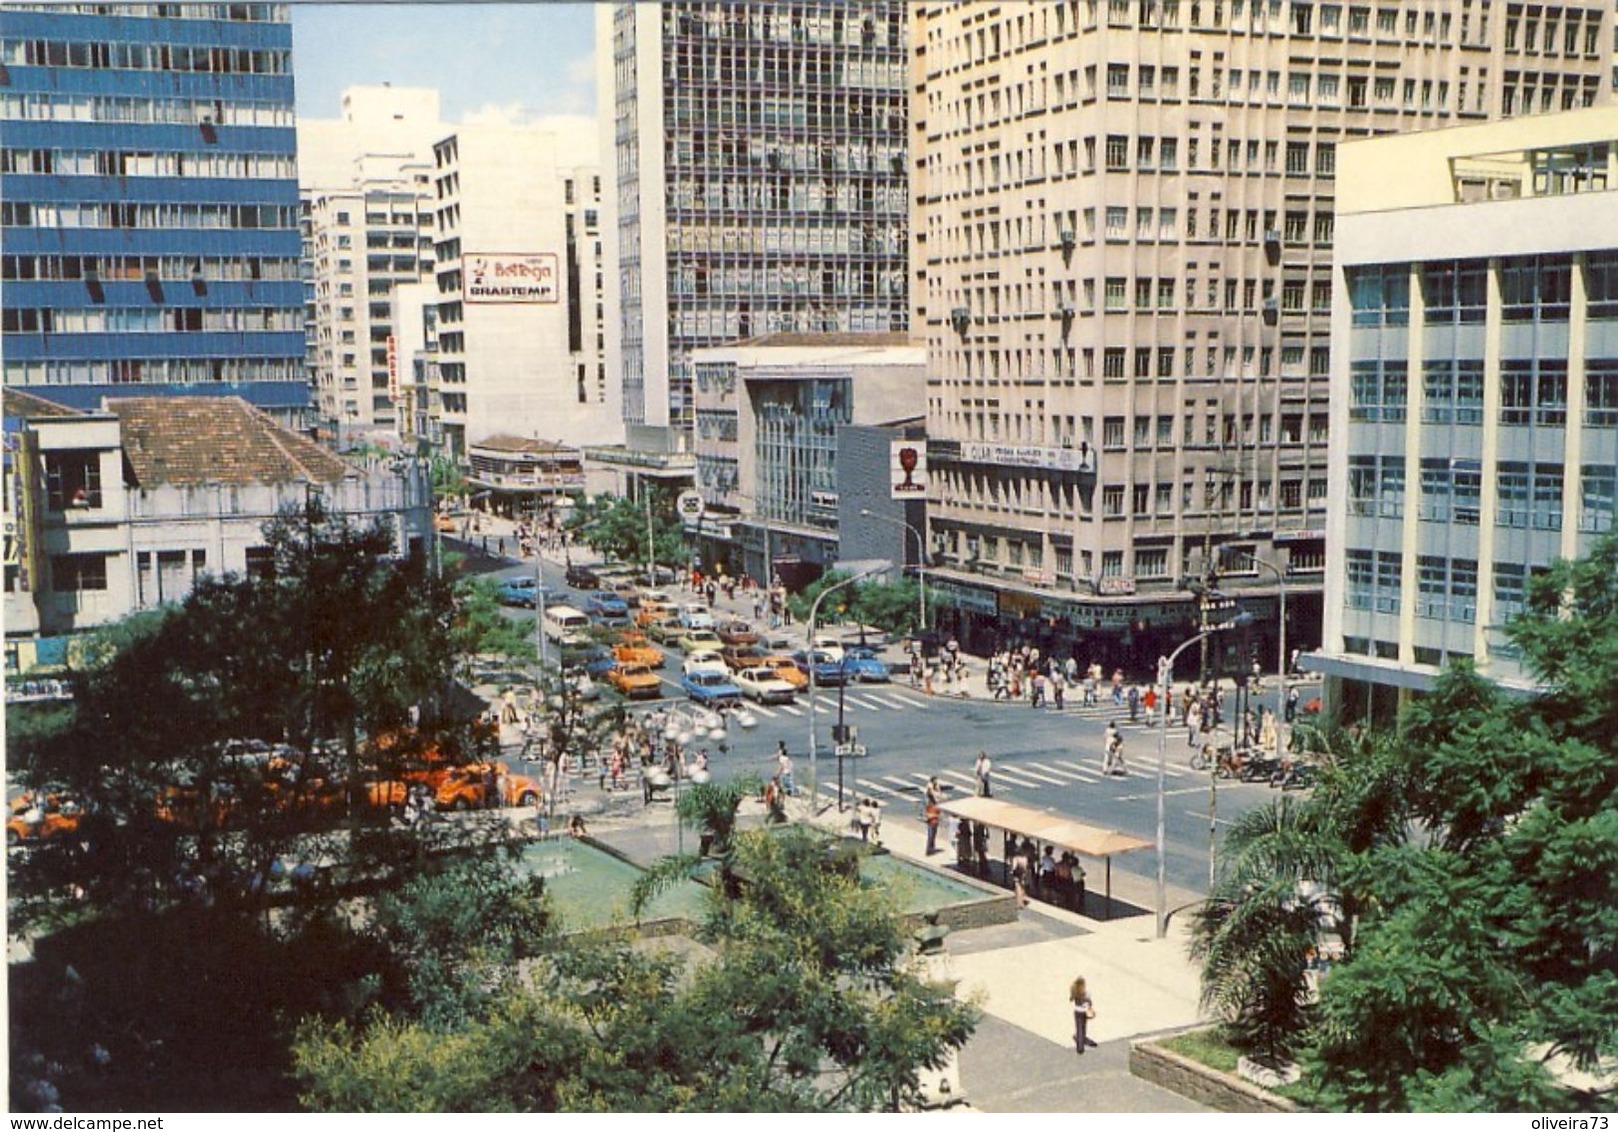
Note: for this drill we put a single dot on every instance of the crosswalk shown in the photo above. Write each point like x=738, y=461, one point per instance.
x=1010, y=778
x=865, y=699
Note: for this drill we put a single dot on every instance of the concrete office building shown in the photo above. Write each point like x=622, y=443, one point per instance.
x=1475, y=391
x=368, y=201
x=757, y=185
x=149, y=203
x=1124, y=223
x=790, y=432
x=519, y=287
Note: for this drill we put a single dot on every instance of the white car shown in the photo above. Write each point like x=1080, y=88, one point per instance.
x=704, y=661
x=831, y=646
x=763, y=685
x=695, y=615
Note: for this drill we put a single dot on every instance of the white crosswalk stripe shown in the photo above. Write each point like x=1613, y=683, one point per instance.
x=792, y=709
x=875, y=787
x=760, y=709
x=966, y=778
x=1027, y=772
x=868, y=705
x=902, y=785
x=1076, y=774
x=1002, y=774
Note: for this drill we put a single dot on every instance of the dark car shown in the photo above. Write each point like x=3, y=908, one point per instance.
x=583, y=578
x=597, y=660
x=828, y=670
x=738, y=657
x=738, y=633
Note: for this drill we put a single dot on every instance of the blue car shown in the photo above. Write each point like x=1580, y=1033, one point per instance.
x=596, y=660
x=711, y=689
x=828, y=670
x=607, y=607
x=523, y=591
x=865, y=666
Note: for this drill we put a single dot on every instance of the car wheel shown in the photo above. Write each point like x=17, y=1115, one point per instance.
x=527, y=798
x=12, y=838
x=461, y=805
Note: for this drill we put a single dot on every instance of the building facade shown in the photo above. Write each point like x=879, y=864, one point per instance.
x=149, y=203
x=517, y=247
x=773, y=464
x=368, y=202
x=1125, y=214
x=758, y=184
x=121, y=508
x=1475, y=407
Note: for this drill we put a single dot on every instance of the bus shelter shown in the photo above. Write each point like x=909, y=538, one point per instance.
x=1045, y=827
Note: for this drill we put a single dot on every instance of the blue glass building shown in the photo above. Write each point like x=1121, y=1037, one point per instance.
x=149, y=203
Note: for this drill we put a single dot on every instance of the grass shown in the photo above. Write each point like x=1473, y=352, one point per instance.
x=1209, y=1047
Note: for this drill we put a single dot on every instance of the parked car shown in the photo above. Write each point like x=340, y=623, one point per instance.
x=865, y=666
x=522, y=591
x=762, y=684
x=636, y=681
x=649, y=596
x=783, y=667
x=467, y=787
x=704, y=661
x=830, y=645
x=698, y=640
x=711, y=689
x=695, y=615
x=738, y=633
x=607, y=608
x=583, y=578
x=36, y=818
x=634, y=648
x=828, y=670
x=596, y=661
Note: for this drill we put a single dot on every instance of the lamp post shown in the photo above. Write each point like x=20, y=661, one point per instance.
x=921, y=561
x=814, y=614
x=1165, y=677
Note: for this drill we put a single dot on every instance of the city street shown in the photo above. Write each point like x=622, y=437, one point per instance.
x=1041, y=757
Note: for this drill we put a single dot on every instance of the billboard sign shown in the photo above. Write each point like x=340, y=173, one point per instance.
x=509, y=277
x=907, y=469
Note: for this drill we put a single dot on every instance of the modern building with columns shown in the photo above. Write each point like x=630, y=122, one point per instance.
x=1474, y=408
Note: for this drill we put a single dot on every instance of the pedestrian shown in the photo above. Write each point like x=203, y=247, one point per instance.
x=1059, y=693
x=783, y=763
x=981, y=769
x=1148, y=701
x=1112, y=759
x=1134, y=703
x=1292, y=704
x=1019, y=878
x=1118, y=687
x=1084, y=1011
x=1036, y=691
x=931, y=814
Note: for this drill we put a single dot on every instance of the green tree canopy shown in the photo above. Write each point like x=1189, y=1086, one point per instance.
x=616, y=527
x=891, y=606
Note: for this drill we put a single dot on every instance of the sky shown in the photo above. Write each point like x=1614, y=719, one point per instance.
x=489, y=62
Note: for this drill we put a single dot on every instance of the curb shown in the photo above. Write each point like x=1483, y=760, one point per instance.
x=1198, y=1082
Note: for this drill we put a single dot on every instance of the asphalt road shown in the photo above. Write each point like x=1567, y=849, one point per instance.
x=1042, y=758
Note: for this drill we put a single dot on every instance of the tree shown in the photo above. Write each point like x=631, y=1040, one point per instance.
x=812, y=1002
x=617, y=526
x=890, y=606
x=481, y=629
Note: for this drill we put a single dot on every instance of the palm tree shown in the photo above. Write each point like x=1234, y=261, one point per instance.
x=711, y=807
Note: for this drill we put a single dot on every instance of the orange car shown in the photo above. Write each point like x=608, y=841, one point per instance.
x=636, y=681
x=786, y=670
x=29, y=822
x=466, y=787
x=634, y=648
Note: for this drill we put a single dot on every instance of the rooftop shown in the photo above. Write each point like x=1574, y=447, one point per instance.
x=191, y=441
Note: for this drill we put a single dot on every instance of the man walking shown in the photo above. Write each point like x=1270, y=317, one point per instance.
x=783, y=766
x=981, y=770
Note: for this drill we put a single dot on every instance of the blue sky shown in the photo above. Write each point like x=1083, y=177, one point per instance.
x=509, y=61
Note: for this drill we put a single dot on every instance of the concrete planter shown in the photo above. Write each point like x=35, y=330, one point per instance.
x=1218, y=1090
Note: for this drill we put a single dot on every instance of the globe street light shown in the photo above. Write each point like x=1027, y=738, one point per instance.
x=921, y=561
x=809, y=652
x=1165, y=677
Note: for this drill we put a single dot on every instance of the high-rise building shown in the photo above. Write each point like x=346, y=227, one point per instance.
x=517, y=245
x=149, y=203
x=758, y=184
x=1124, y=221
x=1475, y=391
x=368, y=206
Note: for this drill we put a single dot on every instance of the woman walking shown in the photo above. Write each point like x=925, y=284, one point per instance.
x=1083, y=1011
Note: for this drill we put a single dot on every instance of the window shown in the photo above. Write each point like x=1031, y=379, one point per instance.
x=1380, y=295
x=1533, y=391
x=1112, y=432
x=1117, y=222
x=1598, y=489
x=1513, y=492
x=76, y=573
x=1117, y=80
x=73, y=480
x=1378, y=391
x=1601, y=392
x=1116, y=293
x=1452, y=391
x=1297, y=157
x=1152, y=563
x=1535, y=287
x=1389, y=569
x=1117, y=152
x=1361, y=579
x=1455, y=291
x=1112, y=502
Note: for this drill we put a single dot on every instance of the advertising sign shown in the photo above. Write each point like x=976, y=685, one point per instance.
x=509, y=277
x=689, y=506
x=907, y=466
x=393, y=368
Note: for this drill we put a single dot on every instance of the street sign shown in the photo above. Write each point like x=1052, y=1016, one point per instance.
x=689, y=506
x=851, y=750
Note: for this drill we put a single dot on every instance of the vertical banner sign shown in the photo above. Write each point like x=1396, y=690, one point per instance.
x=393, y=368
x=21, y=513
x=509, y=277
x=907, y=468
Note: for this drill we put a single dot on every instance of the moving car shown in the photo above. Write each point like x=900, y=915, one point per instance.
x=865, y=666
x=738, y=633
x=607, y=608
x=700, y=640
x=695, y=615
x=583, y=578
x=738, y=657
x=596, y=660
x=828, y=670
x=704, y=661
x=786, y=670
x=763, y=685
x=636, y=681
x=665, y=629
x=711, y=689
x=522, y=591
x=634, y=648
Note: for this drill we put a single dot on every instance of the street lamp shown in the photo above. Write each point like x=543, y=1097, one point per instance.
x=1165, y=677
x=921, y=560
x=1281, y=662
x=809, y=651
